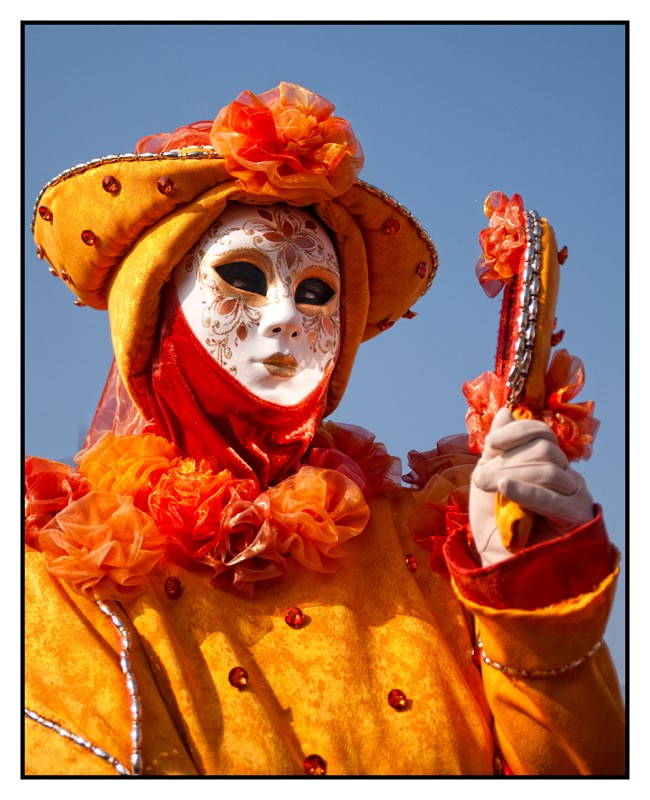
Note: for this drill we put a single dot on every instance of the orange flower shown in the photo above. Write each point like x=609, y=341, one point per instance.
x=49, y=487
x=186, y=505
x=316, y=510
x=503, y=242
x=247, y=555
x=102, y=546
x=450, y=452
x=572, y=423
x=354, y=452
x=127, y=465
x=286, y=144
x=485, y=395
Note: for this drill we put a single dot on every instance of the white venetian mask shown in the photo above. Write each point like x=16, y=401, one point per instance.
x=260, y=291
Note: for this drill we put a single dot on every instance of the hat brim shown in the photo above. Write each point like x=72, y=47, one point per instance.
x=115, y=228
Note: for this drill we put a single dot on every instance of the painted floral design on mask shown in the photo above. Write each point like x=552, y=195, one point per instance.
x=292, y=238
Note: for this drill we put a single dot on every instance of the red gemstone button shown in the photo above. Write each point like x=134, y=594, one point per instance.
x=411, y=562
x=315, y=765
x=89, y=238
x=238, y=677
x=563, y=254
x=45, y=213
x=294, y=617
x=165, y=185
x=390, y=227
x=385, y=324
x=173, y=587
x=422, y=269
x=397, y=699
x=110, y=184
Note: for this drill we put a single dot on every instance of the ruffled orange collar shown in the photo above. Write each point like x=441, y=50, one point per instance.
x=135, y=500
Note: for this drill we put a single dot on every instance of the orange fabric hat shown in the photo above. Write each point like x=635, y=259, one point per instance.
x=115, y=228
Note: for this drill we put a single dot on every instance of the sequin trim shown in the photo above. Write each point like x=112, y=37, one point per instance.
x=209, y=152
x=66, y=734
x=131, y=685
x=535, y=673
x=415, y=222
x=172, y=155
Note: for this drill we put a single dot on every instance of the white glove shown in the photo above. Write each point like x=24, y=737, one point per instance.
x=523, y=461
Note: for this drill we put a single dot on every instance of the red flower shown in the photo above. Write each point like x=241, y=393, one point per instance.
x=286, y=144
x=503, y=242
x=186, y=505
x=572, y=423
x=485, y=395
x=49, y=487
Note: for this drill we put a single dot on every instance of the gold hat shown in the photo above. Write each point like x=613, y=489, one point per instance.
x=114, y=229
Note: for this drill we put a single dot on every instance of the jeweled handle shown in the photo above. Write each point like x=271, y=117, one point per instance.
x=524, y=350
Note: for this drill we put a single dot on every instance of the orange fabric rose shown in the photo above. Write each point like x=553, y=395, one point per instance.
x=450, y=451
x=444, y=500
x=572, y=423
x=247, y=554
x=485, y=395
x=49, y=487
x=102, y=546
x=285, y=143
x=316, y=510
x=128, y=465
x=503, y=242
x=354, y=452
x=186, y=505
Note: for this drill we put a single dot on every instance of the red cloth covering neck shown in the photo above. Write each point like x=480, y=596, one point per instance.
x=194, y=403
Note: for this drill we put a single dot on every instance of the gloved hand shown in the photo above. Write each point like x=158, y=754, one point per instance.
x=523, y=461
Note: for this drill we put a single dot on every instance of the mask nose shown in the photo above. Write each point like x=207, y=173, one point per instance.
x=282, y=320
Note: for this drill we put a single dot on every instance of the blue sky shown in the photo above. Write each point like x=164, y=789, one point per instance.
x=446, y=113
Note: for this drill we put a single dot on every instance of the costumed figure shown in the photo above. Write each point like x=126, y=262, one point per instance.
x=225, y=584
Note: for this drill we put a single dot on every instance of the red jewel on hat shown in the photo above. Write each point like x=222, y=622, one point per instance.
x=45, y=212
x=79, y=303
x=65, y=277
x=397, y=699
x=390, y=227
x=563, y=254
x=411, y=562
x=294, y=617
x=422, y=269
x=556, y=338
x=314, y=765
x=110, y=184
x=410, y=314
x=238, y=677
x=165, y=185
x=40, y=253
x=385, y=324
x=89, y=238
x=173, y=587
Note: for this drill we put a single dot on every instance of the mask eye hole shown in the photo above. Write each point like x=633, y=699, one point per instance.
x=243, y=276
x=314, y=292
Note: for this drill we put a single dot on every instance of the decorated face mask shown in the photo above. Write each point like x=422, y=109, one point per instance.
x=260, y=291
